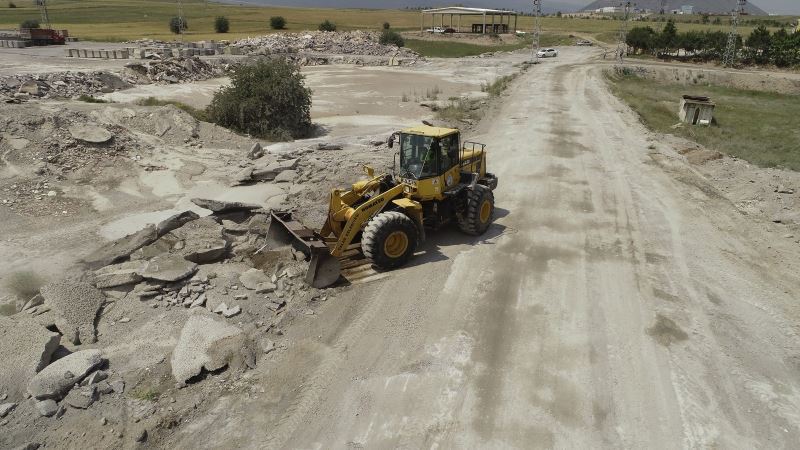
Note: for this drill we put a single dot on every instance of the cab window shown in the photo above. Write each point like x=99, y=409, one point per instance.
x=418, y=156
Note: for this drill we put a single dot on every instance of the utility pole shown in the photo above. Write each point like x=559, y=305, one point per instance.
x=729, y=59
x=45, y=16
x=181, y=24
x=537, y=29
x=622, y=44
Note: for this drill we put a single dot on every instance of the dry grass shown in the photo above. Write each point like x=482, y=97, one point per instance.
x=760, y=127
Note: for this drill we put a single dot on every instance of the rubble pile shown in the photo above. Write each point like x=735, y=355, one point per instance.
x=346, y=43
x=172, y=70
x=60, y=84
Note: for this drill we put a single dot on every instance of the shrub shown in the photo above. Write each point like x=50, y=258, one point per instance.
x=30, y=23
x=178, y=25
x=267, y=100
x=222, y=24
x=277, y=22
x=386, y=25
x=389, y=37
x=90, y=99
x=12, y=5
x=327, y=26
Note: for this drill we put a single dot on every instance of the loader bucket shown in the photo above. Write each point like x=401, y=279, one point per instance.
x=323, y=269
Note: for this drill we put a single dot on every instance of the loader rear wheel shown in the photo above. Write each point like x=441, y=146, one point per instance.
x=389, y=239
x=478, y=211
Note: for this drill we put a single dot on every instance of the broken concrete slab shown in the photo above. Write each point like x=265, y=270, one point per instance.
x=122, y=248
x=93, y=134
x=169, y=268
x=326, y=146
x=244, y=176
x=59, y=377
x=25, y=348
x=265, y=288
x=269, y=172
x=80, y=400
x=75, y=305
x=205, y=343
x=222, y=206
x=175, y=222
x=252, y=278
x=119, y=274
x=287, y=176
x=6, y=408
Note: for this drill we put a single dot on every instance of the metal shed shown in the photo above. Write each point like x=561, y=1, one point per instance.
x=696, y=110
x=495, y=21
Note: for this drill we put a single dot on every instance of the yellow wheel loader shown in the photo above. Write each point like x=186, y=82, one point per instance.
x=439, y=180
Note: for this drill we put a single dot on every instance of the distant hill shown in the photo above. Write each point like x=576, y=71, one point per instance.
x=550, y=6
x=700, y=6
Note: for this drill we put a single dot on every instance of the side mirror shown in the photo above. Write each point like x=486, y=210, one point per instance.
x=369, y=171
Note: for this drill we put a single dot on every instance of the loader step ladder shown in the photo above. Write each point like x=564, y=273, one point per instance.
x=356, y=267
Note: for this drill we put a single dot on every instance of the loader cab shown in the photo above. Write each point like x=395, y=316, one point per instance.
x=429, y=159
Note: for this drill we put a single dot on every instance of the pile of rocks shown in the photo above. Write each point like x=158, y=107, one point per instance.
x=347, y=43
x=172, y=70
x=60, y=84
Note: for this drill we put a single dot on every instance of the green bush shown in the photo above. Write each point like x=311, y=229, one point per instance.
x=222, y=24
x=277, y=22
x=12, y=5
x=266, y=100
x=389, y=37
x=29, y=23
x=327, y=26
x=178, y=25
x=386, y=25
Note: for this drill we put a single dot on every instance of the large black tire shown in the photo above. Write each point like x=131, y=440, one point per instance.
x=389, y=239
x=478, y=211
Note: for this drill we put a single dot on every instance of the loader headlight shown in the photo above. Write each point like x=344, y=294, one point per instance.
x=407, y=189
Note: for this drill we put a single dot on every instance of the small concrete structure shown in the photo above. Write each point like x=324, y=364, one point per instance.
x=500, y=19
x=696, y=110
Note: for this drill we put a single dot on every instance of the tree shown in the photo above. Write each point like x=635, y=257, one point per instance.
x=558, y=14
x=12, y=5
x=386, y=25
x=277, y=22
x=783, y=53
x=705, y=19
x=30, y=23
x=389, y=37
x=327, y=26
x=221, y=24
x=640, y=38
x=267, y=99
x=759, y=43
x=668, y=38
x=178, y=25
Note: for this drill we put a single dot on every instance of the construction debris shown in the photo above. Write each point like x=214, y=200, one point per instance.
x=205, y=343
x=25, y=348
x=346, y=43
x=58, y=378
x=75, y=305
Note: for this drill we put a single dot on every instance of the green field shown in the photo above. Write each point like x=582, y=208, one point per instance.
x=771, y=141
x=121, y=20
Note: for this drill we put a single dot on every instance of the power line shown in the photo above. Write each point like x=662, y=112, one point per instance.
x=181, y=23
x=729, y=59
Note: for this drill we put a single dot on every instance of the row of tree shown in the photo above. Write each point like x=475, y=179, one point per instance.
x=761, y=47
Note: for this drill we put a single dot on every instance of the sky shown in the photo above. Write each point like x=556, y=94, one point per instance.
x=779, y=6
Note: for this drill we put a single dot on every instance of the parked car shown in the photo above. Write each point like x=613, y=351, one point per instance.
x=435, y=30
x=449, y=30
x=547, y=53
x=585, y=42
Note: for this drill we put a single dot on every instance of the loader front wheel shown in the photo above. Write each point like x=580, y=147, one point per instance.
x=478, y=211
x=389, y=239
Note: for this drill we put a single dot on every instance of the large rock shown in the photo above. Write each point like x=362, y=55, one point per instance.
x=122, y=248
x=75, y=305
x=205, y=343
x=25, y=348
x=169, y=268
x=256, y=151
x=202, y=239
x=272, y=170
x=59, y=377
x=90, y=133
x=175, y=222
x=119, y=274
x=252, y=278
x=221, y=206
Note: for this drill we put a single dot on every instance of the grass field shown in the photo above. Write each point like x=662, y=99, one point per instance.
x=121, y=20
x=771, y=141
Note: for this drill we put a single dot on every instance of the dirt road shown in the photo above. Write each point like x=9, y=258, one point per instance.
x=618, y=301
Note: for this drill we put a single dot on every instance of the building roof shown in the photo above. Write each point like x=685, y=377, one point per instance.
x=466, y=11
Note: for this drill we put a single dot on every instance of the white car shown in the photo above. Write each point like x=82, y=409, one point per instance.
x=435, y=30
x=547, y=53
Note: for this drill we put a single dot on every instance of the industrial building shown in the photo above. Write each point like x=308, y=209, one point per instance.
x=489, y=21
